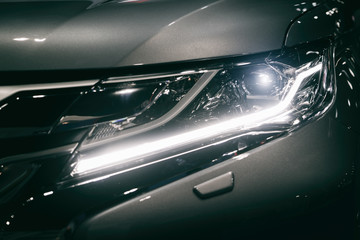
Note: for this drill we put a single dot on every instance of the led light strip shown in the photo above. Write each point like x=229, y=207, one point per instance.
x=89, y=164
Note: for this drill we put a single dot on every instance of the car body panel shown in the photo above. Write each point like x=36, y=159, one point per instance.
x=77, y=35
x=313, y=170
x=290, y=174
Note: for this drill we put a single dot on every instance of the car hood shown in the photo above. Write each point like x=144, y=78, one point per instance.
x=43, y=35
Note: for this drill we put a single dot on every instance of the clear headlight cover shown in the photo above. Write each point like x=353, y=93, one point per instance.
x=141, y=120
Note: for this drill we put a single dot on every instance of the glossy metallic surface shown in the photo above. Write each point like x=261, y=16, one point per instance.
x=303, y=174
x=75, y=34
x=323, y=21
x=295, y=172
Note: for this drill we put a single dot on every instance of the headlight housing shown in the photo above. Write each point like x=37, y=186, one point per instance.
x=237, y=107
x=200, y=116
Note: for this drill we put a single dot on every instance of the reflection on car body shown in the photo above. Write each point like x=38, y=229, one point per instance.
x=179, y=119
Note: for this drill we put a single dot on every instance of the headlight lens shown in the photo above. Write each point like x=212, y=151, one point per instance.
x=220, y=111
x=263, y=99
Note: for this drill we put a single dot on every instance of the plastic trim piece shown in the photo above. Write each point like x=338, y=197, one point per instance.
x=6, y=91
x=216, y=186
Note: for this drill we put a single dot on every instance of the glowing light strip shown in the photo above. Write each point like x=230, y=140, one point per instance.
x=124, y=155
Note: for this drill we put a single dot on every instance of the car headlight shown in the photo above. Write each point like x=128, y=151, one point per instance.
x=209, y=113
